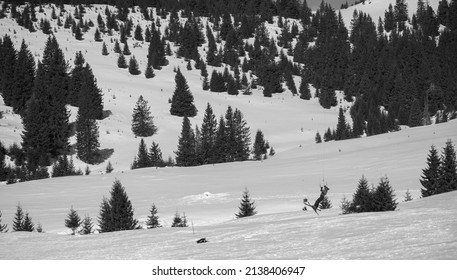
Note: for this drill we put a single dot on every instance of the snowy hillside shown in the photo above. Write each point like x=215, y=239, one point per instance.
x=210, y=195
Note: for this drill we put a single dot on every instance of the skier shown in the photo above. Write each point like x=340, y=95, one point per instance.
x=324, y=191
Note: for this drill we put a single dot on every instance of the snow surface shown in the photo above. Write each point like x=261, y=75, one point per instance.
x=210, y=195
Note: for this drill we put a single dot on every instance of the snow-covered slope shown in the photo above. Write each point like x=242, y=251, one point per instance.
x=209, y=195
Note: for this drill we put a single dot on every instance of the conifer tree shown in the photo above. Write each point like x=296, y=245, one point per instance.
x=138, y=33
x=109, y=167
x=90, y=100
x=142, y=121
x=448, y=169
x=7, y=65
x=179, y=221
x=342, y=128
x=155, y=155
x=47, y=119
x=121, y=62
x=3, y=228
x=156, y=51
x=415, y=116
x=24, y=75
x=304, y=91
x=87, y=226
x=18, y=224
x=133, y=66
x=149, y=73
x=259, y=146
x=117, y=47
x=431, y=174
x=126, y=50
x=142, y=159
x=27, y=224
x=182, y=102
x=116, y=214
x=153, y=219
x=246, y=207
x=325, y=203
x=104, y=49
x=362, y=198
x=185, y=155
x=87, y=135
x=383, y=197
x=97, y=36
x=208, y=136
x=73, y=221
x=318, y=138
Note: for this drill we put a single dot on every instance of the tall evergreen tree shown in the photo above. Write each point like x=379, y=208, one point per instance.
x=247, y=207
x=133, y=66
x=73, y=221
x=104, y=219
x=185, y=155
x=182, y=102
x=208, y=136
x=28, y=225
x=87, y=135
x=304, y=91
x=24, y=75
x=90, y=95
x=121, y=62
x=87, y=225
x=362, y=198
x=156, y=51
x=155, y=155
x=142, y=121
x=18, y=223
x=7, y=65
x=448, y=169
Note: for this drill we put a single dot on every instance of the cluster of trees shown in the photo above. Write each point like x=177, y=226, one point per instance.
x=151, y=158
x=23, y=221
x=226, y=141
x=440, y=175
x=369, y=199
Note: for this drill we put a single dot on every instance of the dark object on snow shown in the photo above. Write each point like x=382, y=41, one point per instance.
x=324, y=191
x=202, y=240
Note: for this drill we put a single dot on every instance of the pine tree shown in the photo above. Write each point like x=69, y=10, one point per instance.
x=73, y=221
x=318, y=138
x=117, y=47
x=133, y=66
x=87, y=135
x=177, y=220
x=182, y=100
x=126, y=50
x=156, y=51
x=116, y=214
x=448, y=169
x=7, y=65
x=408, y=196
x=18, y=224
x=24, y=75
x=142, y=159
x=155, y=155
x=3, y=228
x=325, y=203
x=208, y=136
x=342, y=127
x=149, y=73
x=27, y=224
x=121, y=62
x=383, y=197
x=415, y=116
x=246, y=207
x=138, y=33
x=153, y=219
x=259, y=146
x=362, y=198
x=109, y=167
x=185, y=155
x=104, y=49
x=142, y=121
x=431, y=174
x=87, y=226
x=46, y=126
x=304, y=91
x=97, y=36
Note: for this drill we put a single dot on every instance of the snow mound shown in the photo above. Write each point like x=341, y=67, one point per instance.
x=206, y=197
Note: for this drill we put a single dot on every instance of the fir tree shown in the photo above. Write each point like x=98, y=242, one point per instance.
x=318, y=138
x=415, y=116
x=87, y=135
x=116, y=214
x=383, y=197
x=182, y=102
x=448, y=169
x=208, y=136
x=18, y=224
x=90, y=99
x=155, y=155
x=177, y=220
x=121, y=62
x=362, y=198
x=142, y=121
x=408, y=196
x=153, y=219
x=304, y=91
x=325, y=203
x=73, y=221
x=149, y=73
x=87, y=226
x=109, y=167
x=3, y=228
x=104, y=49
x=246, y=207
x=126, y=50
x=24, y=75
x=133, y=66
x=142, y=159
x=27, y=224
x=259, y=146
x=97, y=36
x=431, y=174
x=138, y=33
x=185, y=155
x=117, y=47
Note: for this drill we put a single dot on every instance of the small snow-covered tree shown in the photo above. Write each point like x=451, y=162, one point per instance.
x=408, y=196
x=87, y=226
x=73, y=221
x=247, y=207
x=18, y=219
x=179, y=221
